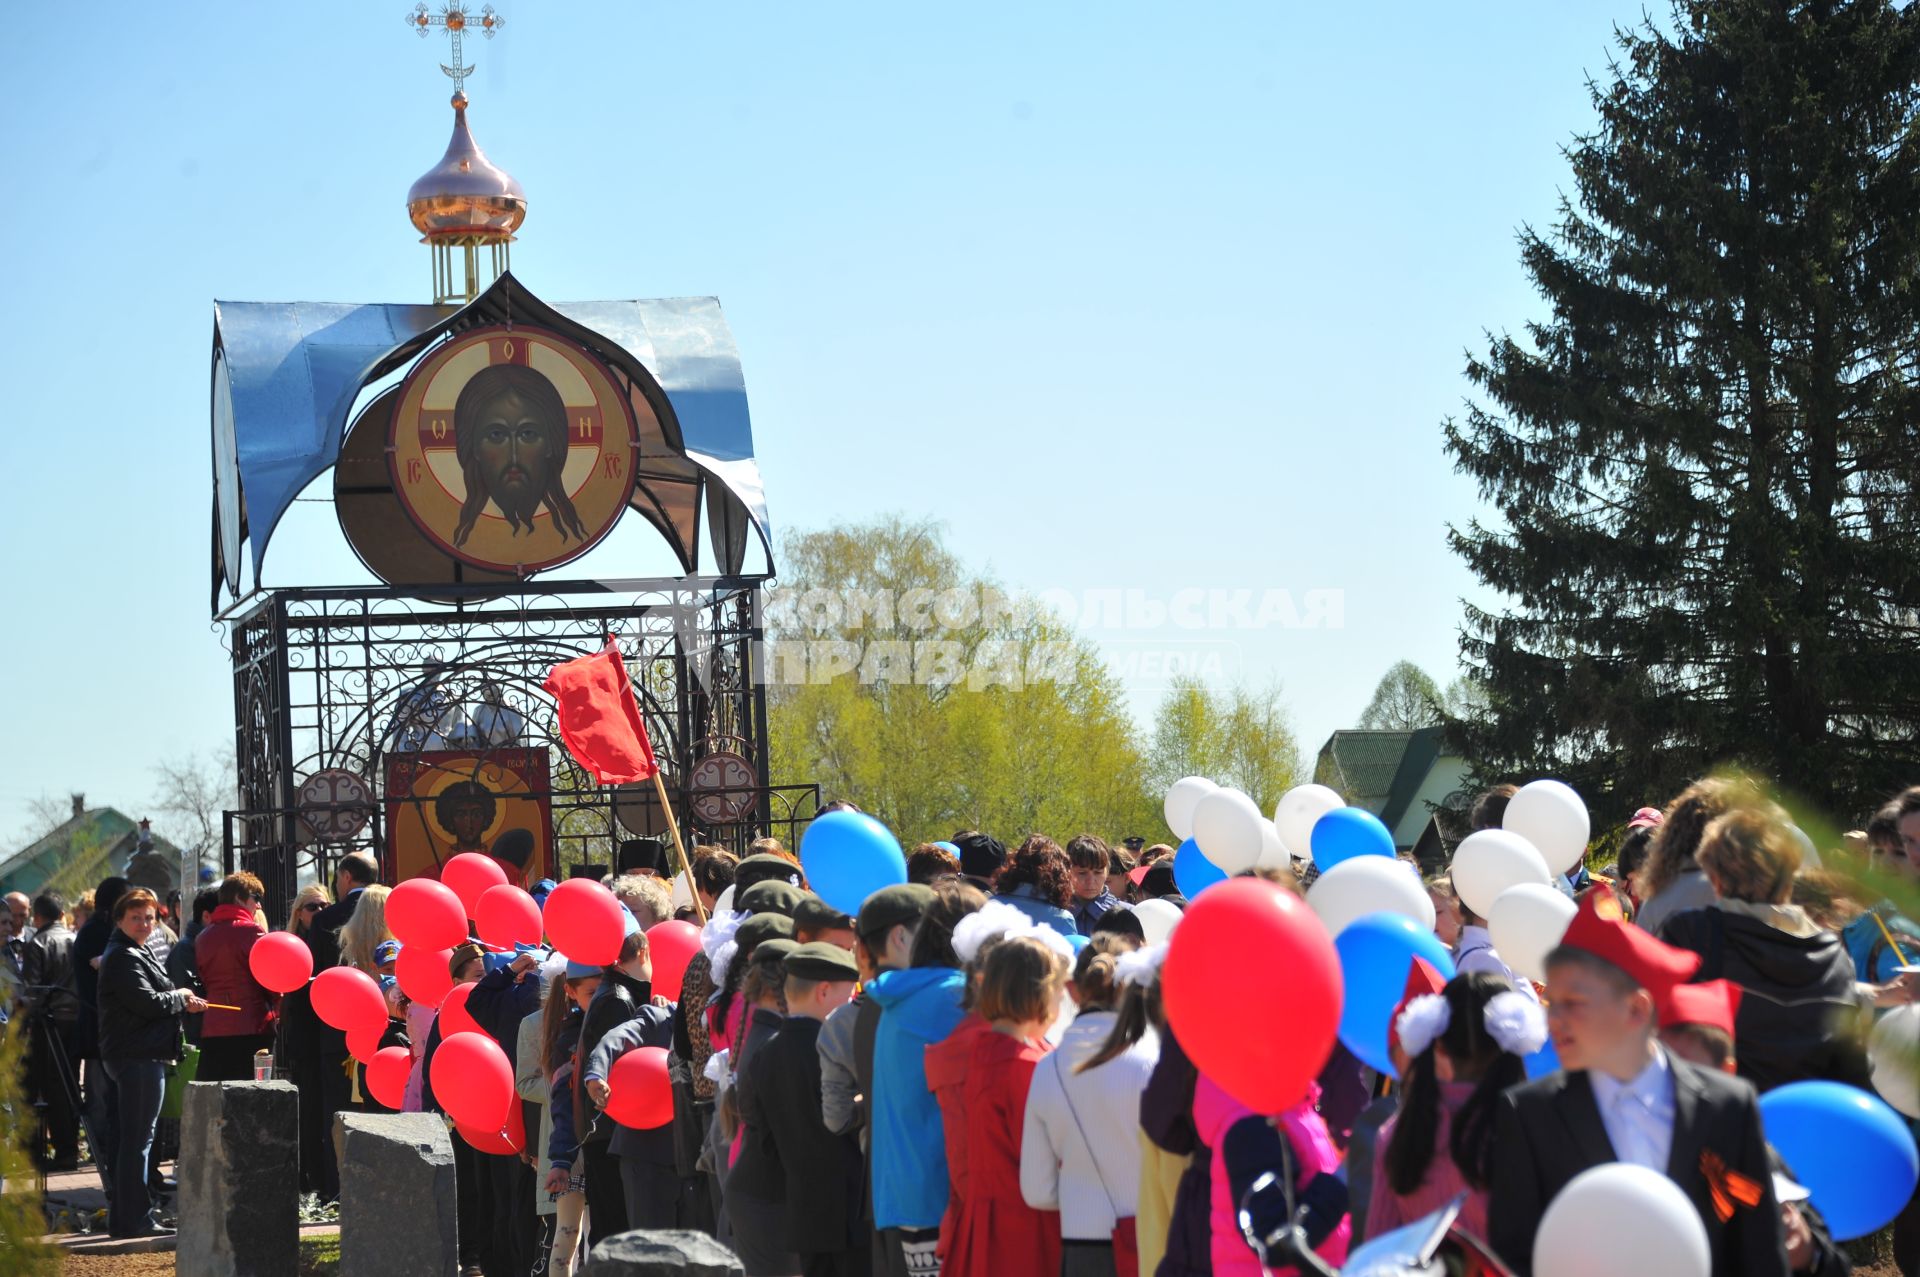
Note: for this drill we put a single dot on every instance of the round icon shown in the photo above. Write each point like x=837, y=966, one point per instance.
x=512, y=449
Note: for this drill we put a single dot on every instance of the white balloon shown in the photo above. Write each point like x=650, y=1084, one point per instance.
x=724, y=901
x=1157, y=918
x=1273, y=852
x=1548, y=814
x=682, y=893
x=1355, y=888
x=1182, y=796
x=1226, y=825
x=1298, y=810
x=1894, y=1050
x=1490, y=861
x=1525, y=924
x=1621, y=1218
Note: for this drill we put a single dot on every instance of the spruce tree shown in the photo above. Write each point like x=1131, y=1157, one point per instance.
x=1704, y=455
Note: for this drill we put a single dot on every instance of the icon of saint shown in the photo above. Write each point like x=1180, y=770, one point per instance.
x=510, y=436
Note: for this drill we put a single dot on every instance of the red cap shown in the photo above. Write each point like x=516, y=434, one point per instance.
x=1139, y=875
x=1422, y=978
x=1714, y=1003
x=1601, y=928
x=1646, y=818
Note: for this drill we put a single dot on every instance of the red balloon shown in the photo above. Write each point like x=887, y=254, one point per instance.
x=472, y=1081
x=387, y=1075
x=348, y=999
x=427, y=913
x=507, y=916
x=280, y=961
x=470, y=874
x=510, y=1138
x=454, y=1017
x=638, y=1092
x=672, y=945
x=423, y=973
x=1252, y=989
x=584, y=922
x=363, y=1043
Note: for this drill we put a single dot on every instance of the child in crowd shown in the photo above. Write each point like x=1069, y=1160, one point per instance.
x=1464, y=1047
x=819, y=1171
x=1080, y=1150
x=996, y=1231
x=566, y=1180
x=918, y=1007
x=1623, y=1097
x=1697, y=1025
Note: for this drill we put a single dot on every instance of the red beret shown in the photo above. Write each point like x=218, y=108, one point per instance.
x=1713, y=1003
x=1422, y=978
x=1600, y=927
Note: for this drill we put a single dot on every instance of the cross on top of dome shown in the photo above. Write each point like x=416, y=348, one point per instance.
x=454, y=19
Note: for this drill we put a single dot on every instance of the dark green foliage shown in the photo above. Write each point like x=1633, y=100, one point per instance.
x=1704, y=458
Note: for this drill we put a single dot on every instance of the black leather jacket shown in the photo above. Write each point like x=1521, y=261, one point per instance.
x=48, y=973
x=140, y=1010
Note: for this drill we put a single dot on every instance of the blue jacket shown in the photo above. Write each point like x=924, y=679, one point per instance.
x=1874, y=960
x=918, y=1008
x=498, y=1005
x=1023, y=899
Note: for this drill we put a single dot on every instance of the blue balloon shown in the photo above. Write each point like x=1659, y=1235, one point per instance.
x=1854, y=1154
x=1193, y=873
x=1346, y=832
x=848, y=855
x=1542, y=1062
x=1376, y=957
x=1078, y=942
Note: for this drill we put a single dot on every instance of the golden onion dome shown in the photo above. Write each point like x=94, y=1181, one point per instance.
x=466, y=194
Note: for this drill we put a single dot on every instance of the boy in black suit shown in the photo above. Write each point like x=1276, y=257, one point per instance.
x=1622, y=1098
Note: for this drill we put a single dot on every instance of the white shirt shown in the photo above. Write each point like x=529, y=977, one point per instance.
x=1474, y=952
x=1639, y=1114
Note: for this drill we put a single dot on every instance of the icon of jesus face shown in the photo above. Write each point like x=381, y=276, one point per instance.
x=510, y=435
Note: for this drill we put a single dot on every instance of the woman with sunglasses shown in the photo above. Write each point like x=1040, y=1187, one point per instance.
x=298, y=1050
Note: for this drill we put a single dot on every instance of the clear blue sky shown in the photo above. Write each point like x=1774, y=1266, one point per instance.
x=1127, y=295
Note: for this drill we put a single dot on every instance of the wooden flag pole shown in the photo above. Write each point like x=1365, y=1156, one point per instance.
x=686, y=861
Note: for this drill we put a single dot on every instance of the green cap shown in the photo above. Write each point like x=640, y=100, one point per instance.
x=821, y=961
x=769, y=897
x=815, y=914
x=774, y=950
x=765, y=867
x=762, y=927
x=889, y=907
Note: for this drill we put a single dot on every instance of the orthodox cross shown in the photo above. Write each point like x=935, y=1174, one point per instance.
x=454, y=19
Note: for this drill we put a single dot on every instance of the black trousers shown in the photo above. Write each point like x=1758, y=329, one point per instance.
x=606, y=1193
x=470, y=1203
x=53, y=1075
x=510, y=1197
x=336, y=1095
x=230, y=1059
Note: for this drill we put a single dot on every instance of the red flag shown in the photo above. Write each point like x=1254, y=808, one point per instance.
x=599, y=719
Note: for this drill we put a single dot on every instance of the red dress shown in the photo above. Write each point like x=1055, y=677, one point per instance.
x=947, y=1064
x=995, y=1232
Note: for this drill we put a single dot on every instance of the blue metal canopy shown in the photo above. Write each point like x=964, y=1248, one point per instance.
x=286, y=376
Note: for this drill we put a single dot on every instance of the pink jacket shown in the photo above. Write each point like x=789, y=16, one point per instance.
x=1214, y=1113
x=1388, y=1211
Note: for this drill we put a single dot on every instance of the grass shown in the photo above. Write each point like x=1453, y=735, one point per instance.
x=320, y=1256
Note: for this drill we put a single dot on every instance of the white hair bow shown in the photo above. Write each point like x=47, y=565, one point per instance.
x=1516, y=1022
x=1422, y=1022
x=1141, y=966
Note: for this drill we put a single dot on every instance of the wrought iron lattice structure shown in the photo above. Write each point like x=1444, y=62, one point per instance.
x=345, y=678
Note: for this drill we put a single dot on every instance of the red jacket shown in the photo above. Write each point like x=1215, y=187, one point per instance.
x=220, y=951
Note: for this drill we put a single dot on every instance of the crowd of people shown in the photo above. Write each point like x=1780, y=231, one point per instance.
x=975, y=1074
